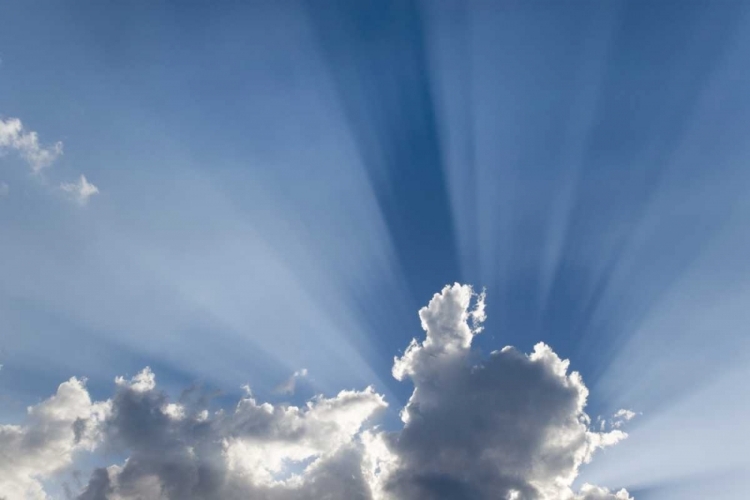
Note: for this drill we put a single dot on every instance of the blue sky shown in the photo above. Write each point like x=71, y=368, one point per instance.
x=283, y=185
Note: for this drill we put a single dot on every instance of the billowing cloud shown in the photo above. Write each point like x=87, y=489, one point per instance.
x=80, y=191
x=180, y=450
x=511, y=427
x=13, y=136
x=55, y=430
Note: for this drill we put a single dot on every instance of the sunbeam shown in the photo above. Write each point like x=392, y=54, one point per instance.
x=260, y=203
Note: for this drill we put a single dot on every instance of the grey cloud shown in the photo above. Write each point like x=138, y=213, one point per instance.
x=505, y=426
x=511, y=427
x=99, y=486
x=178, y=452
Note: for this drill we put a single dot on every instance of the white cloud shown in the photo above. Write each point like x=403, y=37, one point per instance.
x=289, y=386
x=621, y=417
x=56, y=429
x=590, y=492
x=14, y=137
x=512, y=426
x=143, y=381
x=80, y=191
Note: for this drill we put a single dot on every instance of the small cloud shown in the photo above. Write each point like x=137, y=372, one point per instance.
x=14, y=137
x=80, y=191
x=144, y=381
x=289, y=386
x=621, y=417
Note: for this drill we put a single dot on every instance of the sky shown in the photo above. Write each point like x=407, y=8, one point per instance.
x=248, y=249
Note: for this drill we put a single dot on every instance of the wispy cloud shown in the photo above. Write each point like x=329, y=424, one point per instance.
x=290, y=384
x=80, y=191
x=14, y=137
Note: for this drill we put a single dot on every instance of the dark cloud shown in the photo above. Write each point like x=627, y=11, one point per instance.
x=99, y=486
x=511, y=427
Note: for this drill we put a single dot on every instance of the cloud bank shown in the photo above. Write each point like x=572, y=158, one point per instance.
x=511, y=426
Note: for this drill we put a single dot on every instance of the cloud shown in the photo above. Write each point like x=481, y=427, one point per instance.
x=290, y=384
x=590, y=492
x=621, y=417
x=181, y=451
x=14, y=137
x=80, y=191
x=56, y=429
x=511, y=427
x=4, y=189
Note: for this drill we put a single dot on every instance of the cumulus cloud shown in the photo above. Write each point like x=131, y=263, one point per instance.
x=80, y=191
x=55, y=430
x=512, y=426
x=13, y=136
x=180, y=451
